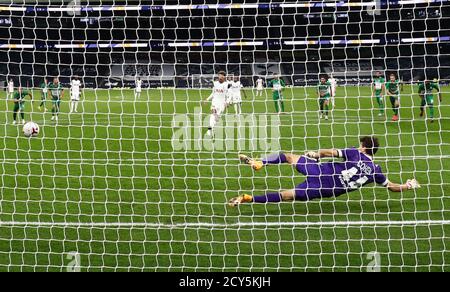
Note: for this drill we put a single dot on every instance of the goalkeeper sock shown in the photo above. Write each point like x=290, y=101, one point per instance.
x=282, y=106
x=327, y=108
x=321, y=107
x=22, y=114
x=276, y=158
x=268, y=198
x=431, y=112
x=15, y=116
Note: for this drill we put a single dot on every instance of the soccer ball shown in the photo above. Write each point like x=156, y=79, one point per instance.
x=30, y=129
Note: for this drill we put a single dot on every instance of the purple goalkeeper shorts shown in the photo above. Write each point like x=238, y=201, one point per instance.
x=317, y=184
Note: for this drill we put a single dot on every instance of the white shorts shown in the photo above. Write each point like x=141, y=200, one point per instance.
x=138, y=90
x=218, y=108
x=236, y=99
x=75, y=97
x=259, y=88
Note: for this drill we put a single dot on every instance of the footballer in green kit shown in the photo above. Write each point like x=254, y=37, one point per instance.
x=379, y=89
x=278, y=85
x=19, y=104
x=393, y=91
x=57, y=93
x=324, y=91
x=426, y=94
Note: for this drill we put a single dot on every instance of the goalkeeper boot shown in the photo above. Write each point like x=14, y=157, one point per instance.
x=255, y=164
x=234, y=202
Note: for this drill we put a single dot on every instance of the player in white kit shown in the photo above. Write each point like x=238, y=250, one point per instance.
x=138, y=89
x=235, y=95
x=10, y=89
x=333, y=83
x=75, y=92
x=218, y=100
x=259, y=87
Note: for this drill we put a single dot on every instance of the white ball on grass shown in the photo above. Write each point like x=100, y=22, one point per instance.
x=31, y=129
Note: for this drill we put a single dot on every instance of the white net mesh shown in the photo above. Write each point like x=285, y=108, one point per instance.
x=131, y=181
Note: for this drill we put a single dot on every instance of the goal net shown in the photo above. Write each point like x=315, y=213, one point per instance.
x=127, y=178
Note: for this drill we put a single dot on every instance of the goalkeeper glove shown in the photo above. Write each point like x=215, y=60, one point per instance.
x=413, y=184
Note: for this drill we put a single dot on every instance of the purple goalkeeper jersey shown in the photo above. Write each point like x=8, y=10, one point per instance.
x=337, y=178
x=356, y=171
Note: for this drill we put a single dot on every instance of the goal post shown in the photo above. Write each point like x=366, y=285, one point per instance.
x=136, y=182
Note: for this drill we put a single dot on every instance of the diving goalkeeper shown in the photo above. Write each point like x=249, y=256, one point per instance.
x=329, y=179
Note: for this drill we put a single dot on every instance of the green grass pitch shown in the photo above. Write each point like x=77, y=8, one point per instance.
x=113, y=162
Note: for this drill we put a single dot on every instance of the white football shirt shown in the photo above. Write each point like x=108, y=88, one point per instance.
x=259, y=83
x=138, y=85
x=333, y=83
x=75, y=87
x=220, y=92
x=11, y=86
x=236, y=87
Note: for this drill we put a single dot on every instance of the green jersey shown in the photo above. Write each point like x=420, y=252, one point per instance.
x=277, y=84
x=324, y=90
x=378, y=85
x=277, y=88
x=393, y=87
x=427, y=89
x=20, y=96
x=56, y=90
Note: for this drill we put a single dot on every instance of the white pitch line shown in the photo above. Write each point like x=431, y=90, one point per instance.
x=222, y=225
